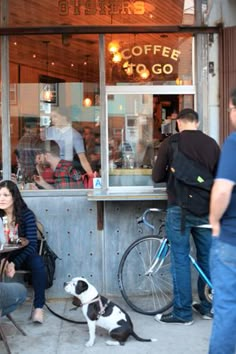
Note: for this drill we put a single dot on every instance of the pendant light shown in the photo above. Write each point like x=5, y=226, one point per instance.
x=87, y=102
x=47, y=92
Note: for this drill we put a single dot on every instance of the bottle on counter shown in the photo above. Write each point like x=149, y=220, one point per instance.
x=2, y=235
x=6, y=229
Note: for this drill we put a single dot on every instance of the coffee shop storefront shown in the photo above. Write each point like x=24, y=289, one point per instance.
x=124, y=69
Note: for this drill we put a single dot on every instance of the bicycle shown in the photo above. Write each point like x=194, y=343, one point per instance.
x=144, y=274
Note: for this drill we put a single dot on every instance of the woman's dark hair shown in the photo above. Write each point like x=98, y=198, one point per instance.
x=18, y=203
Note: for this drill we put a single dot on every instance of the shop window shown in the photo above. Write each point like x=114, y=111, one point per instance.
x=56, y=97
x=137, y=125
x=148, y=59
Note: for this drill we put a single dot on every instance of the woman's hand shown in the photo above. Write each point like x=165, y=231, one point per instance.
x=10, y=269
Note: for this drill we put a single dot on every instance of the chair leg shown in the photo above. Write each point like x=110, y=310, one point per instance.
x=4, y=339
x=16, y=325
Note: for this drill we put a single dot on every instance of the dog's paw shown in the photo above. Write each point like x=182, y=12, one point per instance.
x=112, y=342
x=89, y=343
x=153, y=340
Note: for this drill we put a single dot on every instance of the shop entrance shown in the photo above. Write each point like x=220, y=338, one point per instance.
x=137, y=124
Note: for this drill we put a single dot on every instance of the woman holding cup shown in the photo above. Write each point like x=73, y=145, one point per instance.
x=21, y=217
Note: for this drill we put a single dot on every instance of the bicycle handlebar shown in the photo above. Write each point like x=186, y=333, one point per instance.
x=142, y=218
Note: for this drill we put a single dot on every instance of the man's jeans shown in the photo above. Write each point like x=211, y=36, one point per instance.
x=11, y=295
x=223, y=273
x=180, y=262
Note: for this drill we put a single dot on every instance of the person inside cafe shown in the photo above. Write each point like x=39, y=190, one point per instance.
x=69, y=140
x=21, y=217
x=143, y=155
x=25, y=149
x=92, y=146
x=65, y=176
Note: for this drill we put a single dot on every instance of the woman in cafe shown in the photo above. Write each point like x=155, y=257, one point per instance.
x=20, y=216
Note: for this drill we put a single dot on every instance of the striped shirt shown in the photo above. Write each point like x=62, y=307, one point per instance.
x=27, y=229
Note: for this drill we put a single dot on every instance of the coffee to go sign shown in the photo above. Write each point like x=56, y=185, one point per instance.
x=154, y=50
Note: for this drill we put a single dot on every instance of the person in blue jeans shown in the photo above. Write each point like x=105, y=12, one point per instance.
x=19, y=216
x=201, y=148
x=11, y=296
x=223, y=250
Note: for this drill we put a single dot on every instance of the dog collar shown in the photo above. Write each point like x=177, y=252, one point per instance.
x=102, y=307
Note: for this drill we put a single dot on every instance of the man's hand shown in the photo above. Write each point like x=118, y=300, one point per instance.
x=215, y=228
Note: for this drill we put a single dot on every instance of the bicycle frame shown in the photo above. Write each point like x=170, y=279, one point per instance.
x=160, y=257
x=200, y=271
x=164, y=248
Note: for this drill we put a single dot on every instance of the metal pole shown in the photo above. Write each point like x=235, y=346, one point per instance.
x=5, y=101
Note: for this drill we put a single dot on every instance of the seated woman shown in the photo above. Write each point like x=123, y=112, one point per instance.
x=13, y=206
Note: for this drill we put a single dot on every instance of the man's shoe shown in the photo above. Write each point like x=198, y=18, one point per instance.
x=37, y=316
x=172, y=319
x=205, y=315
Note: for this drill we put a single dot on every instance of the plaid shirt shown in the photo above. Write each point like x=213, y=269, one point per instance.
x=66, y=177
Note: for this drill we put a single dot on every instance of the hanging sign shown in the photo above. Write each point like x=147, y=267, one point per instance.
x=101, y=7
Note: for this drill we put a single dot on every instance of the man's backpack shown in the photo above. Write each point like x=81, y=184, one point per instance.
x=193, y=183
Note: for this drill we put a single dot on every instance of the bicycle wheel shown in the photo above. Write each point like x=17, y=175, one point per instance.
x=208, y=293
x=146, y=290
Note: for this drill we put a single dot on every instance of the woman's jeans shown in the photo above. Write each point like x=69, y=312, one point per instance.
x=11, y=295
x=35, y=264
x=180, y=262
x=223, y=274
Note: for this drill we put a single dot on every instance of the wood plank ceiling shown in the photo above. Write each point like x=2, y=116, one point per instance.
x=64, y=55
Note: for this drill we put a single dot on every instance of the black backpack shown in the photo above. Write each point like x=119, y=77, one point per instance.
x=193, y=183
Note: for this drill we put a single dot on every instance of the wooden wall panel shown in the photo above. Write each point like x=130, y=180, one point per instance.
x=227, y=50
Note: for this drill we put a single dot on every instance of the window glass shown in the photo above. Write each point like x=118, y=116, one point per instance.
x=137, y=125
x=54, y=96
x=100, y=12
x=154, y=59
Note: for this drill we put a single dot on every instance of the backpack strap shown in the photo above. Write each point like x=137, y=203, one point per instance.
x=174, y=144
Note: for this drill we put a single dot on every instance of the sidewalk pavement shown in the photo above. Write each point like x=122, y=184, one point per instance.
x=57, y=336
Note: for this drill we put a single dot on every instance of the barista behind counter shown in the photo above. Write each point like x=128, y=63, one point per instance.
x=144, y=155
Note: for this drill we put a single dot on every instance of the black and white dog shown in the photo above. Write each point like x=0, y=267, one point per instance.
x=102, y=312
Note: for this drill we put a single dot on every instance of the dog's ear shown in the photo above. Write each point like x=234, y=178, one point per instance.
x=81, y=287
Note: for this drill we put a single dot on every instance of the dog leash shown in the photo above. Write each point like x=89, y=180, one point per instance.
x=100, y=313
x=64, y=318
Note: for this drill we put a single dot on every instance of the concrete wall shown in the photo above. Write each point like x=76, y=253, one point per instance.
x=71, y=228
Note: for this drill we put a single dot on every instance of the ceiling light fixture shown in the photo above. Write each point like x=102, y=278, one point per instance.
x=47, y=93
x=144, y=74
x=117, y=57
x=113, y=47
x=87, y=102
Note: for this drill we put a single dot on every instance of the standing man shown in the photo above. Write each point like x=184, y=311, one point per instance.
x=201, y=148
x=223, y=251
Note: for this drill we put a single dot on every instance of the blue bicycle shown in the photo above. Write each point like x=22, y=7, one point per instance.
x=144, y=274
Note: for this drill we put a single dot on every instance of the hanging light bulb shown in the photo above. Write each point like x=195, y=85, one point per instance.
x=87, y=102
x=144, y=74
x=113, y=47
x=47, y=93
x=129, y=68
x=117, y=57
